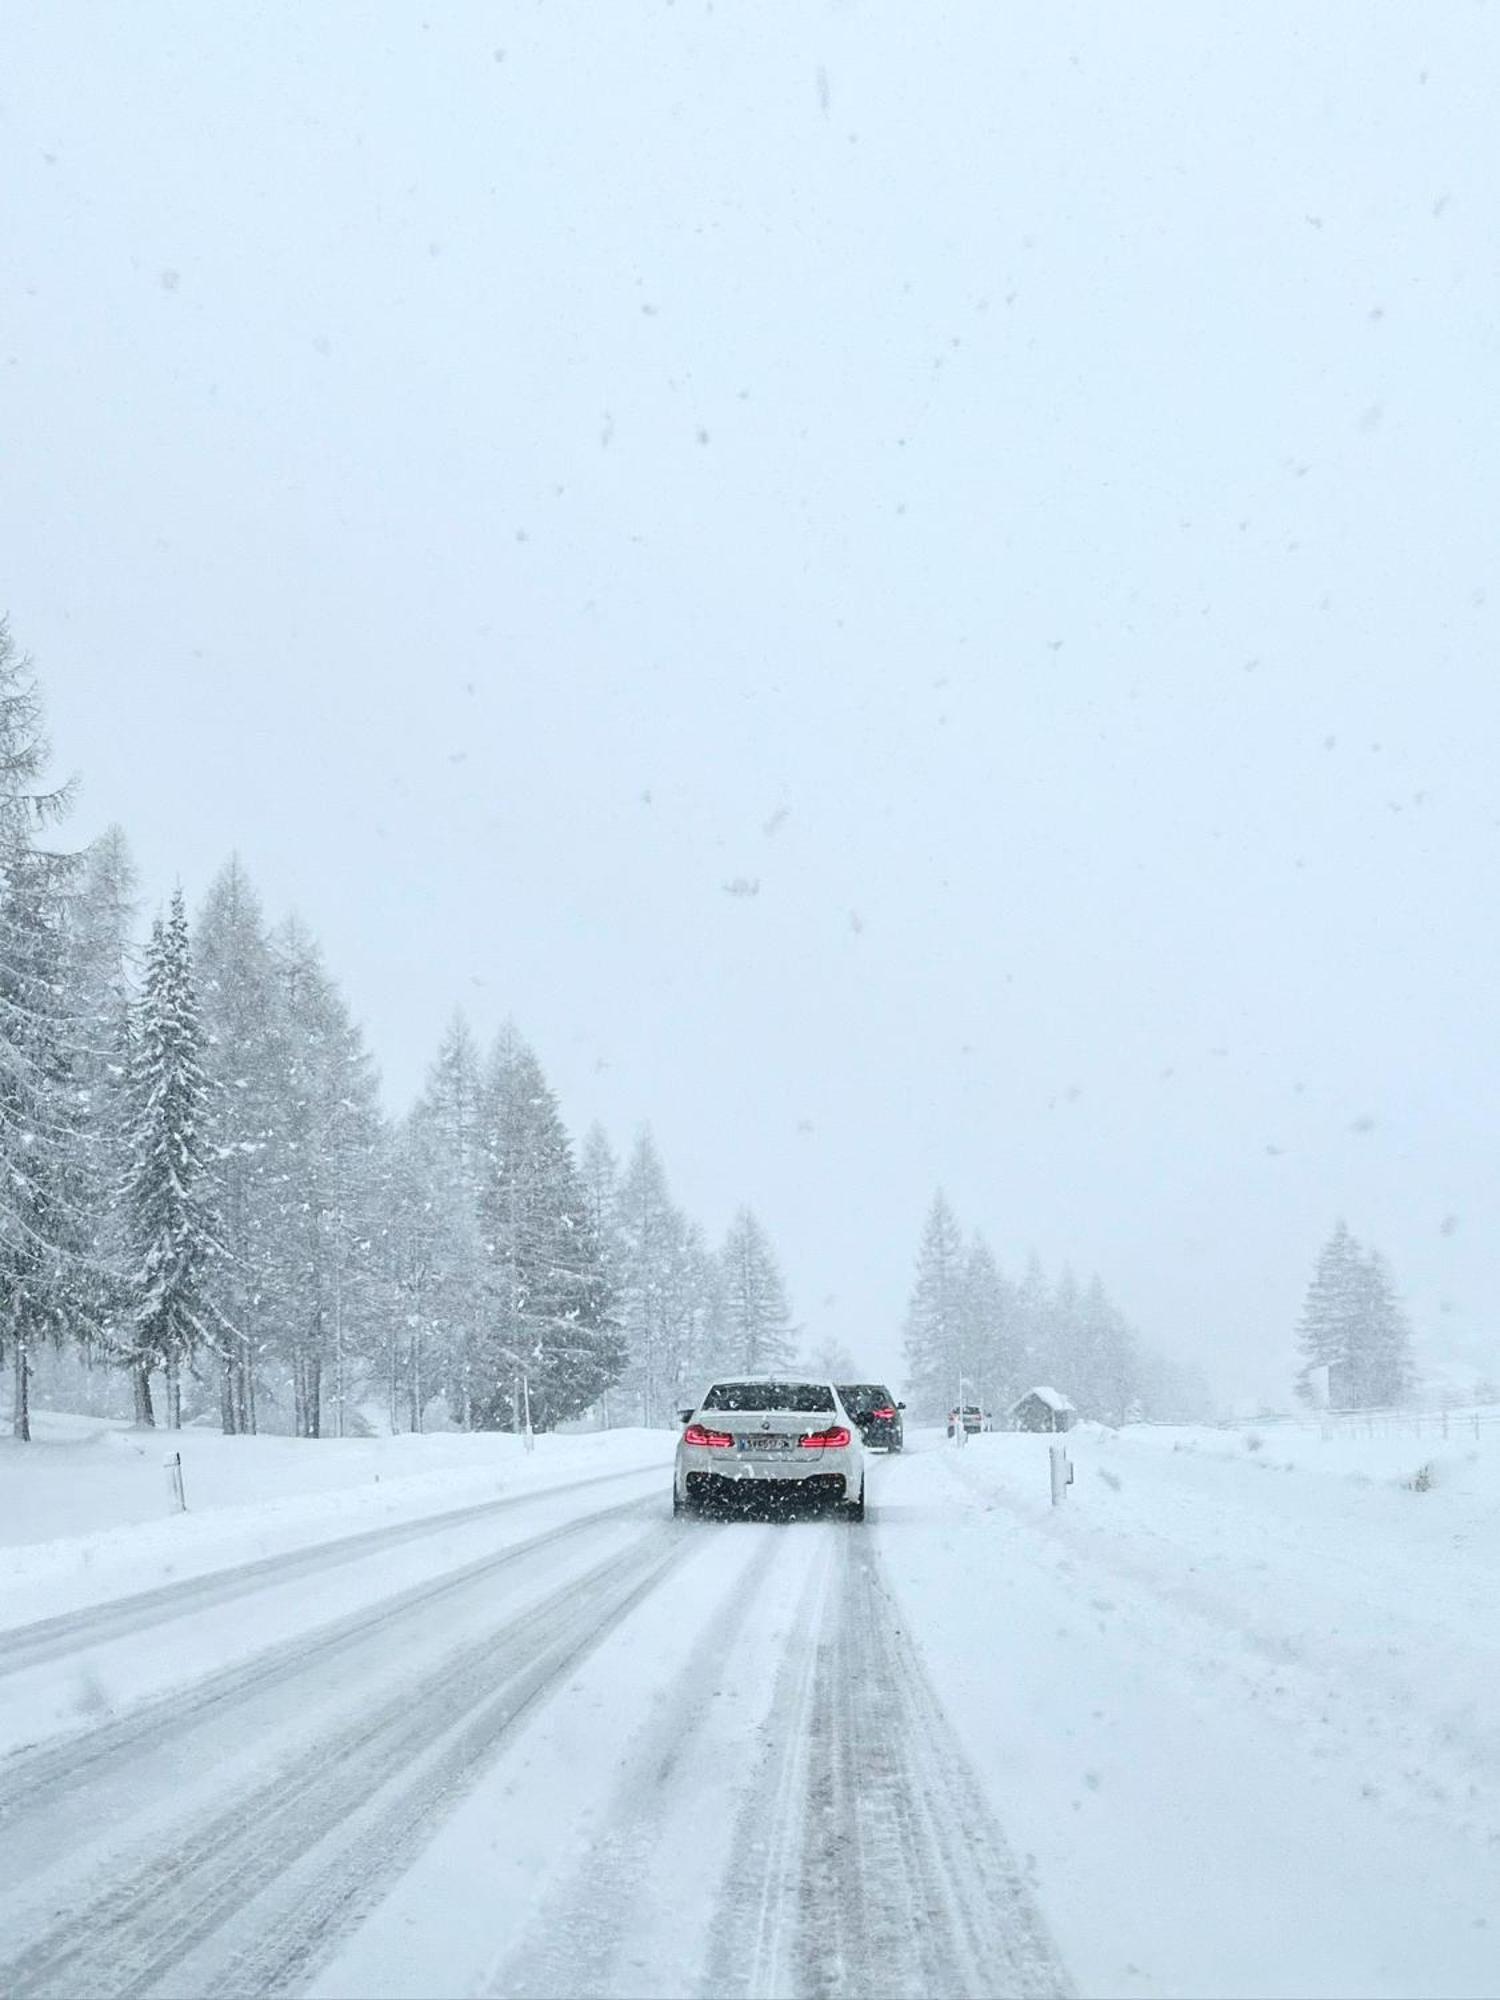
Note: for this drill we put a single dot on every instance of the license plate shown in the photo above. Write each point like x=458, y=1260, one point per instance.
x=770, y=1441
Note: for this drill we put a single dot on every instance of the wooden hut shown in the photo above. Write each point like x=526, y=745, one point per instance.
x=1042, y=1410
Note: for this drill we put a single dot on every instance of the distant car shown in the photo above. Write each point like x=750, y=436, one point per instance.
x=970, y=1416
x=769, y=1439
x=876, y=1411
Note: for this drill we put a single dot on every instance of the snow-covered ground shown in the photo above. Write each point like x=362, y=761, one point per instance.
x=86, y=1510
x=1226, y=1722
x=1238, y=1694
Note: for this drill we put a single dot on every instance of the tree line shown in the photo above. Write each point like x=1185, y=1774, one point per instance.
x=976, y=1334
x=199, y=1188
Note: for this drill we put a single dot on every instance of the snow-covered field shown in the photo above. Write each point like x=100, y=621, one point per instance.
x=86, y=1511
x=437, y=1716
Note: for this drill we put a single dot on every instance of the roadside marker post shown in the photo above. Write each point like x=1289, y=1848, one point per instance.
x=174, y=1482
x=1062, y=1472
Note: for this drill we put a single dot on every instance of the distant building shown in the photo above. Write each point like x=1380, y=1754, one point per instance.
x=1042, y=1410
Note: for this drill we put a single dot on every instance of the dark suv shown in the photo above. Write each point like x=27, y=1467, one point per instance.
x=876, y=1411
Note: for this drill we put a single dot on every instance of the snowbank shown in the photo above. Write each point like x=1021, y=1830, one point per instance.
x=1237, y=1695
x=86, y=1513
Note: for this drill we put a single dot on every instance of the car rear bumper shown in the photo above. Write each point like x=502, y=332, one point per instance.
x=744, y=1485
x=882, y=1437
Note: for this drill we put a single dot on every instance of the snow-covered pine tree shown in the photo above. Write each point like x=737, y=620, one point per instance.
x=413, y=1221
x=1036, y=1327
x=45, y=1293
x=987, y=1331
x=47, y=1281
x=1382, y=1360
x=99, y=952
x=756, y=1317
x=433, y=1249
x=321, y=1270
x=934, y=1316
x=451, y=1113
x=1329, y=1330
x=168, y=1193
x=1066, y=1361
x=599, y=1172
x=549, y=1332
x=1107, y=1380
x=692, y=1313
x=245, y=1058
x=649, y=1228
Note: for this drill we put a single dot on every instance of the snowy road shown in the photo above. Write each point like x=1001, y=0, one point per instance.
x=1167, y=1740
x=603, y=1752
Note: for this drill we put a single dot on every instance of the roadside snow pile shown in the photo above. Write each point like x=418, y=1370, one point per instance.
x=1241, y=1701
x=1356, y=1530
x=1361, y=1573
x=86, y=1514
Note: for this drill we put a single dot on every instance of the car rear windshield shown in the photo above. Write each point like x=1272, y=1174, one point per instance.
x=860, y=1397
x=769, y=1396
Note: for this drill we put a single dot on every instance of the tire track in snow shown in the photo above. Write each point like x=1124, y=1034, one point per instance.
x=879, y=1870
x=247, y=1899
x=593, y=1921
x=44, y=1780
x=754, y=1950
x=54, y=1638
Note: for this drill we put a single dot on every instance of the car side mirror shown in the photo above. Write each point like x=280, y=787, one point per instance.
x=901, y=1406
x=686, y=1415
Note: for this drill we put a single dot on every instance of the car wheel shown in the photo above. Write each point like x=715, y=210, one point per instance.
x=854, y=1510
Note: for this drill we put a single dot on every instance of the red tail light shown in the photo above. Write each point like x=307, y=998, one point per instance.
x=697, y=1434
x=821, y=1440
x=887, y=1414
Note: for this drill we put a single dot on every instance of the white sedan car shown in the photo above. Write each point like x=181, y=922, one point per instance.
x=769, y=1438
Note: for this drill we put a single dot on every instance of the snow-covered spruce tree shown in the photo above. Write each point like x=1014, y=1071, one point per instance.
x=413, y=1224
x=934, y=1317
x=99, y=960
x=599, y=1171
x=432, y=1240
x=987, y=1340
x=245, y=1057
x=1036, y=1328
x=168, y=1195
x=48, y=1284
x=1064, y=1321
x=693, y=1313
x=44, y=1289
x=548, y=1333
x=320, y=1264
x=1329, y=1331
x=650, y=1228
x=756, y=1317
x=1381, y=1363
x=1107, y=1383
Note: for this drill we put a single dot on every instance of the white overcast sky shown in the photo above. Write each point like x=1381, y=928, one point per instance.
x=1017, y=482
